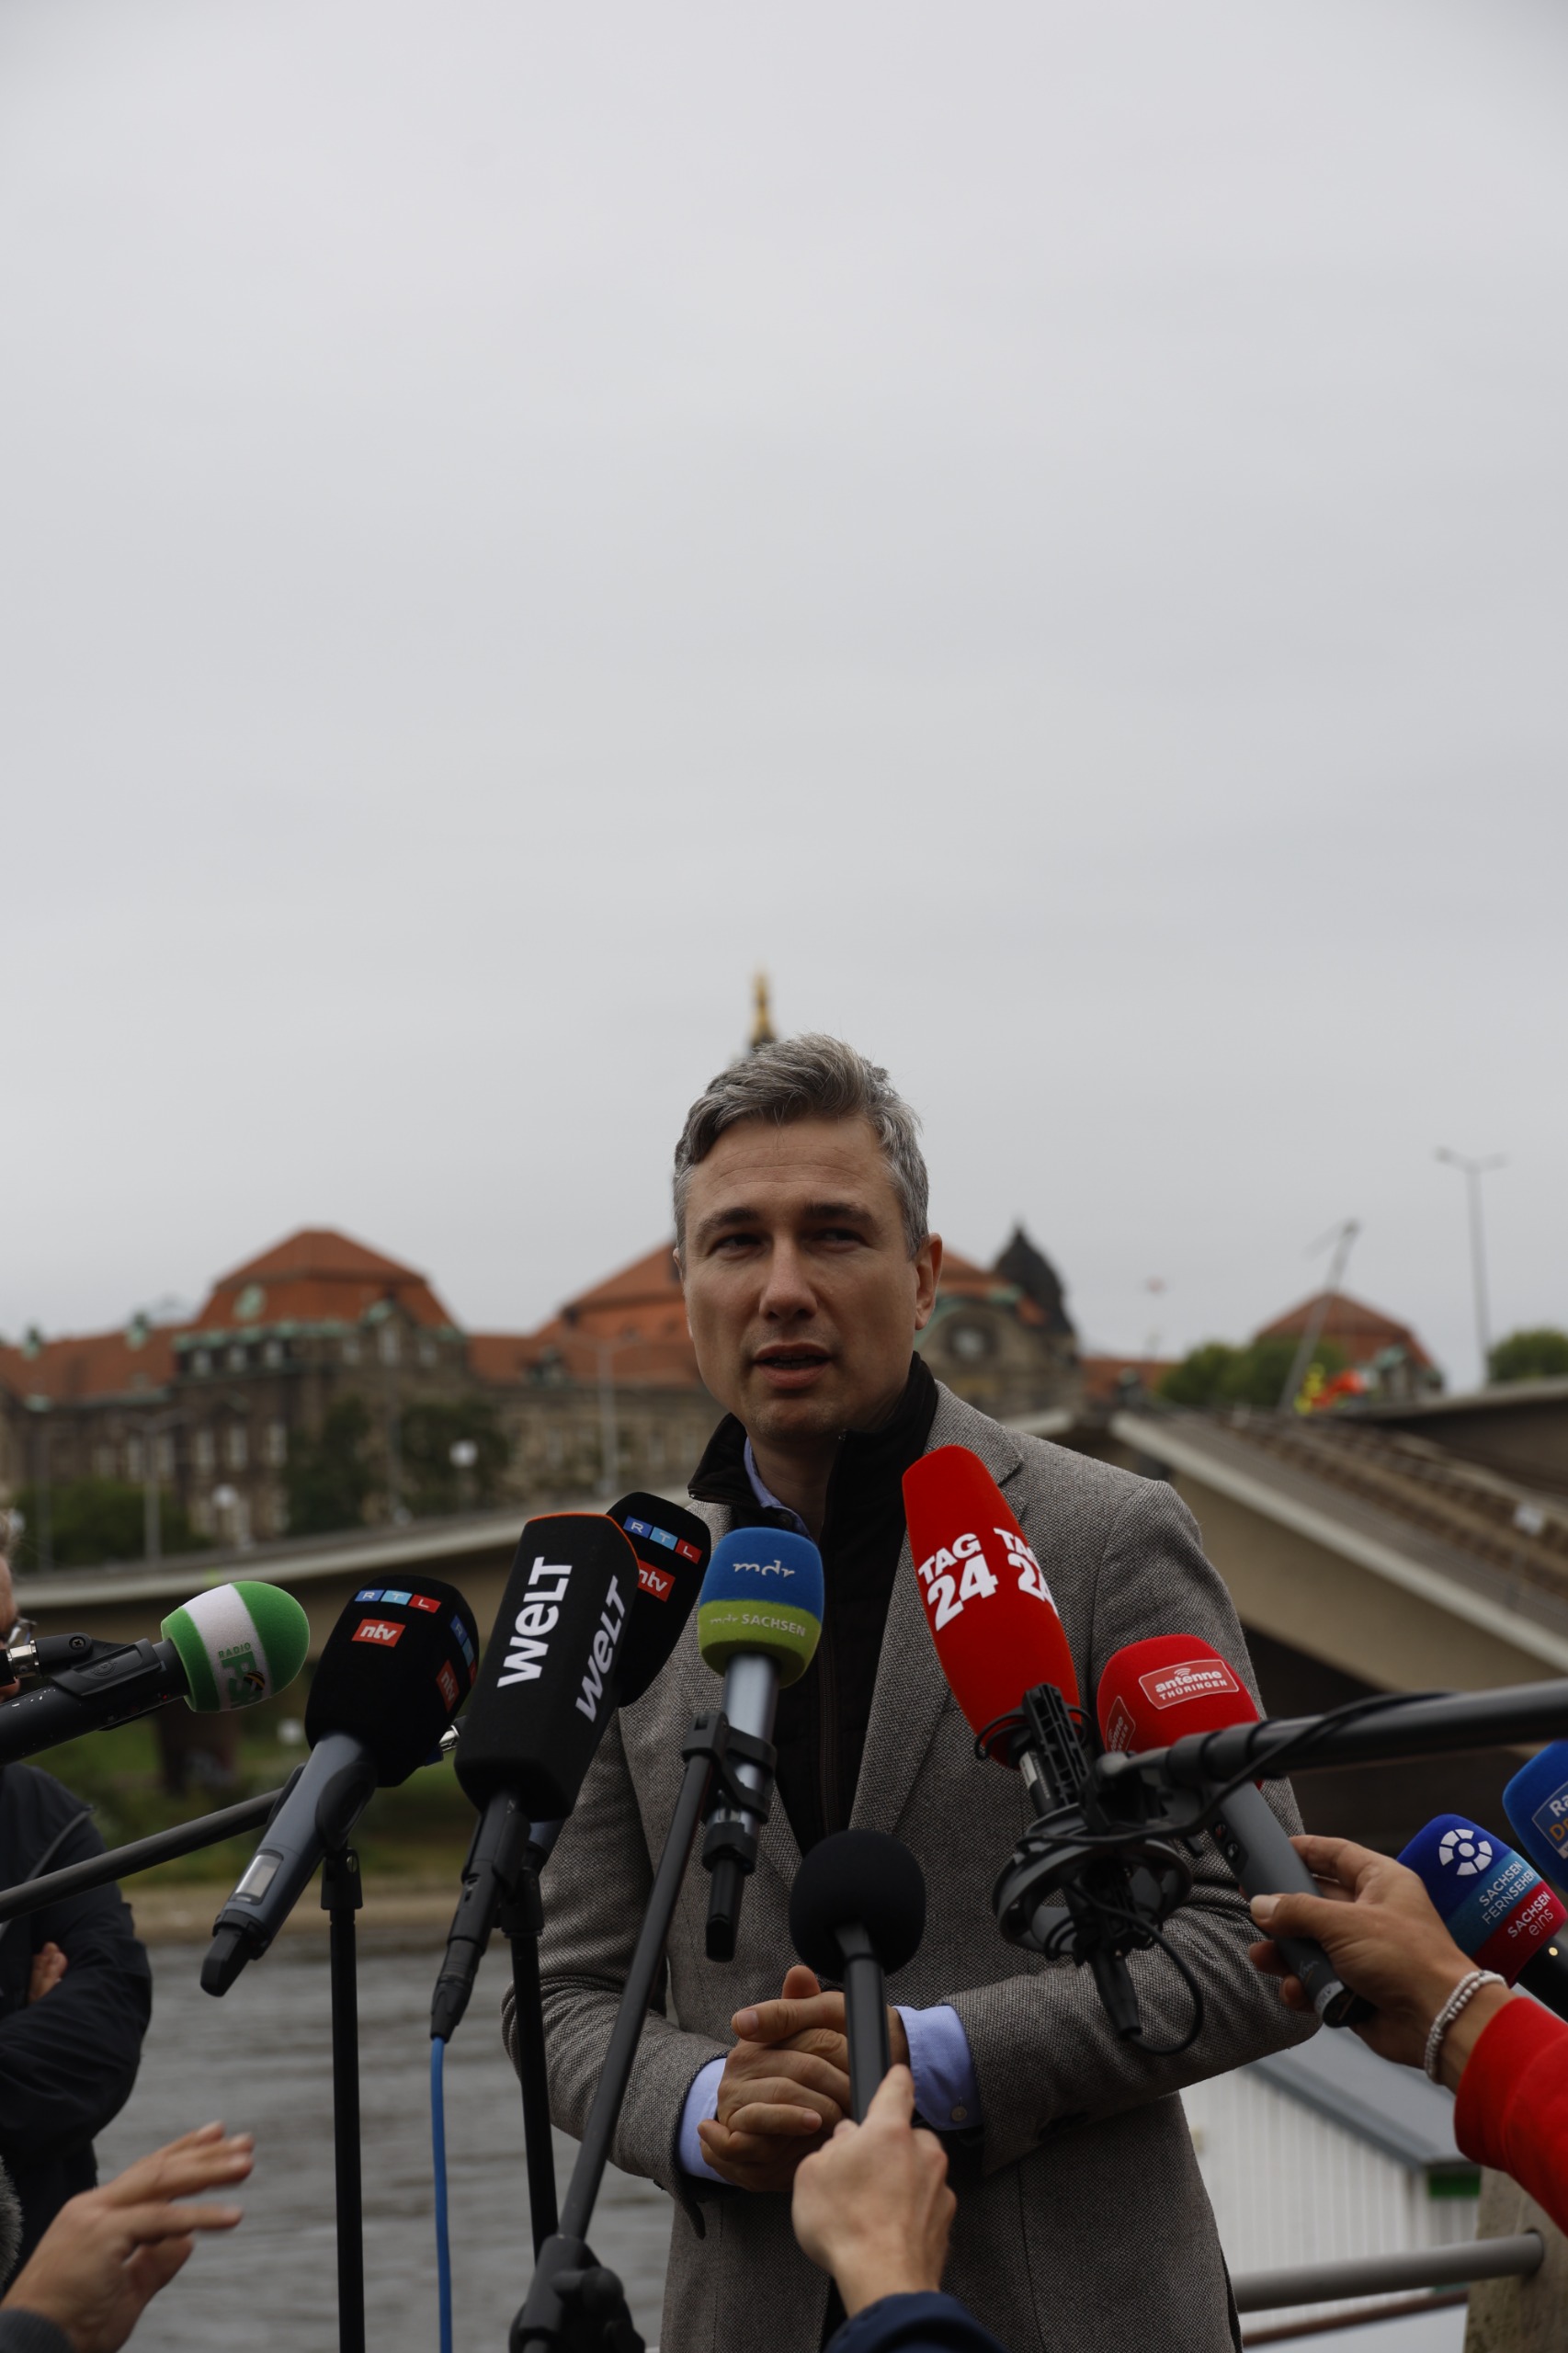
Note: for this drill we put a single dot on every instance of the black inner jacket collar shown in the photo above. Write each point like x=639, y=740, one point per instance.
x=820, y=1729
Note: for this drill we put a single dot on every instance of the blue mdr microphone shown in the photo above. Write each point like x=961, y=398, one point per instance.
x=1497, y=1909
x=758, y=1623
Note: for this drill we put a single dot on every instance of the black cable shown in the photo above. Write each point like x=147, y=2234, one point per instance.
x=1155, y=1936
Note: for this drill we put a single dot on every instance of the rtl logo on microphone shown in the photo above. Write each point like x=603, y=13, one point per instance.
x=383, y=1631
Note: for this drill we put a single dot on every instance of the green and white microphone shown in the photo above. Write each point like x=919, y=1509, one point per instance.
x=227, y=1648
x=758, y=1624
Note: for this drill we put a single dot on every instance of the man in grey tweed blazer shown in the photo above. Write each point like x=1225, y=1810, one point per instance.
x=1082, y=2225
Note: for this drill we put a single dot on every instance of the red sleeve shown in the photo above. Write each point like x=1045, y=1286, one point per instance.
x=1512, y=2110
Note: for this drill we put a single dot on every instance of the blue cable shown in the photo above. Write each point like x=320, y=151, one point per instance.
x=438, y=2154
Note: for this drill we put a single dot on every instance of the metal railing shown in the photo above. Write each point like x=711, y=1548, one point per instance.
x=1383, y=2275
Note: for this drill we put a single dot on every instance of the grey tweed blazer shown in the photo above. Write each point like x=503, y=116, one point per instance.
x=1082, y=2225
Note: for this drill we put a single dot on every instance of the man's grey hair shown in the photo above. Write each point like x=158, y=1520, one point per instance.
x=813, y=1078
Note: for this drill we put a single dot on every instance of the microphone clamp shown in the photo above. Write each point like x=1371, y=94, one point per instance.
x=1081, y=1886
x=729, y=1846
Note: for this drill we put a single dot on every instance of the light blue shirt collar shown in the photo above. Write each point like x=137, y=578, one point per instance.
x=765, y=1497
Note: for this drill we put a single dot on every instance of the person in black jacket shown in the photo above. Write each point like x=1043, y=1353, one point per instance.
x=75, y=1994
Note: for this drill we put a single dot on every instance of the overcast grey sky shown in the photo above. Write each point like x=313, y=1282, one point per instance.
x=1042, y=524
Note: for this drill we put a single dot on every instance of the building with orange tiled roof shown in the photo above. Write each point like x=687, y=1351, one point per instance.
x=1364, y=1332
x=221, y=1410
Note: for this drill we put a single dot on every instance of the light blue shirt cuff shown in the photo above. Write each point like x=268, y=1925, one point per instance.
x=702, y=2100
x=946, y=2091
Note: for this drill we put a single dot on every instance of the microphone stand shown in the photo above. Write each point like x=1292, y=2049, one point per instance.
x=341, y=1897
x=140, y=1854
x=573, y=2302
x=520, y=1919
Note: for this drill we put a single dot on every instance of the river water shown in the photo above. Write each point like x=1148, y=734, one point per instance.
x=260, y=2059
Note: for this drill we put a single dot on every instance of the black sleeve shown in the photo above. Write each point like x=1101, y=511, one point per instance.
x=915, y=2324
x=67, y=2063
x=25, y=2332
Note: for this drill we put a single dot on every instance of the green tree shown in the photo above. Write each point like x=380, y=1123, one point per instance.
x=432, y=1485
x=1540, y=1354
x=330, y=1477
x=1200, y=1378
x=1216, y=1374
x=99, y=1519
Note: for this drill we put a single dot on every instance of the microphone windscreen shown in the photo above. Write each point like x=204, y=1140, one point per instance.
x=546, y=1687
x=987, y=1603
x=762, y=1597
x=1495, y=1907
x=394, y=1672
x=861, y=1878
x=1157, y=1691
x=672, y=1547
x=238, y=1644
x=1536, y=1803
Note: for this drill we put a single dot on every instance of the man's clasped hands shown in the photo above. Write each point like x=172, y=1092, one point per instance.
x=786, y=2084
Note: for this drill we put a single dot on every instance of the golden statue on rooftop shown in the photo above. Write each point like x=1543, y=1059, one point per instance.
x=762, y=1030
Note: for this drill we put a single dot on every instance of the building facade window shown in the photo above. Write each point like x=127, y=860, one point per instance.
x=351, y=1349
x=278, y=1445
x=133, y=1458
x=555, y=1447
x=388, y=1344
x=103, y=1461
x=166, y=1456
x=236, y=1360
x=206, y=1452
x=201, y=1363
x=237, y=1449
x=427, y=1351
x=272, y=1355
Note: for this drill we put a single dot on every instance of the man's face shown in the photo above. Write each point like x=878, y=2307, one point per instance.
x=800, y=1294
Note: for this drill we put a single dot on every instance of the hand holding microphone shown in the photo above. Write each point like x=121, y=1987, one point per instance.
x=1375, y=1920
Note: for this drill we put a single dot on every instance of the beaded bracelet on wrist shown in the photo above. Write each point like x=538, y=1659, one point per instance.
x=1465, y=1991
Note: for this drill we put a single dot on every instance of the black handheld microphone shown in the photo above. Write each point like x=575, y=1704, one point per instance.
x=391, y=1676
x=857, y=1913
x=547, y=1688
x=672, y=1548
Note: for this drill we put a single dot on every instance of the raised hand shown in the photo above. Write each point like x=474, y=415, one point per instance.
x=107, y=2253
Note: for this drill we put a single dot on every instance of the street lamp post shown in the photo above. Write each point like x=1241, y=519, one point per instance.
x=1473, y=1170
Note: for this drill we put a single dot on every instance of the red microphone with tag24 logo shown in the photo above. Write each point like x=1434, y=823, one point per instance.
x=987, y=1603
x=1151, y=1694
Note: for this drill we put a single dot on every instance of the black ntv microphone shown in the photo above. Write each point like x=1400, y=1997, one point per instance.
x=545, y=1693
x=857, y=1913
x=392, y=1675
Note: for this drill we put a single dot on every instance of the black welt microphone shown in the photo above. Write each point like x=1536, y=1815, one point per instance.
x=392, y=1675
x=547, y=1688
x=857, y=1913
